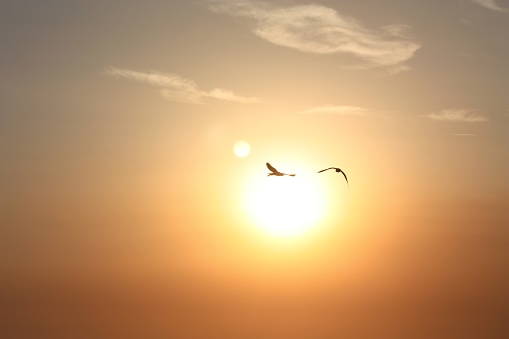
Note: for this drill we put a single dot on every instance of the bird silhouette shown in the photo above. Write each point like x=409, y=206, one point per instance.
x=276, y=172
x=338, y=170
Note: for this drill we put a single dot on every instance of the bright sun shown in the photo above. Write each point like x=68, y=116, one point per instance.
x=286, y=206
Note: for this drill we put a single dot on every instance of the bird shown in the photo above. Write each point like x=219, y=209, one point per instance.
x=338, y=170
x=276, y=172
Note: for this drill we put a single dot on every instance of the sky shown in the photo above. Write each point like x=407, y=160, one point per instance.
x=125, y=212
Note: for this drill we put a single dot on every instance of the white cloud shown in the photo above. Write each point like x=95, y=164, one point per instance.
x=222, y=94
x=491, y=4
x=460, y=114
x=322, y=30
x=176, y=88
x=338, y=110
x=398, y=30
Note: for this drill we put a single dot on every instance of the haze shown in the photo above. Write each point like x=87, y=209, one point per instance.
x=122, y=202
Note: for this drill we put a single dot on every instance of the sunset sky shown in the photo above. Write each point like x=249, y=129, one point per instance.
x=126, y=211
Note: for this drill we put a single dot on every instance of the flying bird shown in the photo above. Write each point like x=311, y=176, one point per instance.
x=276, y=172
x=338, y=170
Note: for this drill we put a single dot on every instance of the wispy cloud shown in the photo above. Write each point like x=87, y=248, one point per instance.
x=491, y=4
x=177, y=88
x=458, y=114
x=322, y=30
x=337, y=110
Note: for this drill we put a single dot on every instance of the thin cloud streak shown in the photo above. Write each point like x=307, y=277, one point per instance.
x=318, y=29
x=336, y=110
x=461, y=115
x=491, y=4
x=176, y=88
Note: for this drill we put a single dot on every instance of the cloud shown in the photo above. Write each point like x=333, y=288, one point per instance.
x=399, y=30
x=318, y=29
x=223, y=94
x=338, y=110
x=461, y=114
x=176, y=88
x=491, y=4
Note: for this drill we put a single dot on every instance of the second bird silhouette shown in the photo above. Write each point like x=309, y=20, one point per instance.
x=276, y=172
x=338, y=170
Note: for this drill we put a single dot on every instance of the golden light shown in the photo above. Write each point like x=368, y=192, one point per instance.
x=241, y=148
x=286, y=206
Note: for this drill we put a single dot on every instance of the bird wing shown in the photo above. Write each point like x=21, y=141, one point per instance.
x=272, y=169
x=345, y=177
x=325, y=169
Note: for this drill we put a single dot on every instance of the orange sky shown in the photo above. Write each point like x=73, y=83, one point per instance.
x=123, y=206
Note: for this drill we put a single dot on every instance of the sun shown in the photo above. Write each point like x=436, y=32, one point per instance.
x=286, y=206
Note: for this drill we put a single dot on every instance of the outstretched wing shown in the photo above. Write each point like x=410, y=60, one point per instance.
x=272, y=169
x=325, y=169
x=345, y=177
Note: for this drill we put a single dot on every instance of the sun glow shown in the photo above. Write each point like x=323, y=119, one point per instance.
x=241, y=149
x=286, y=206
